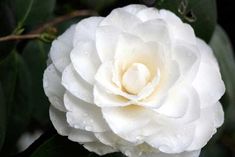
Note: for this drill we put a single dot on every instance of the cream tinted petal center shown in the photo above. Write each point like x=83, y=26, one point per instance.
x=135, y=78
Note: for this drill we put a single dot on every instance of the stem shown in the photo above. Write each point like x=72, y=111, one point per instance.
x=63, y=18
x=37, y=32
x=19, y=37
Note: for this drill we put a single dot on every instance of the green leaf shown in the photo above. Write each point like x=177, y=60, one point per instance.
x=214, y=150
x=35, y=55
x=2, y=117
x=98, y=4
x=222, y=47
x=19, y=109
x=8, y=74
x=200, y=14
x=33, y=12
x=51, y=144
x=7, y=25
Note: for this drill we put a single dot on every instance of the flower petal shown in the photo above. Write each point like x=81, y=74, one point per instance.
x=86, y=29
x=105, y=99
x=61, y=48
x=127, y=122
x=178, y=30
x=153, y=31
x=58, y=120
x=82, y=115
x=148, y=14
x=106, y=34
x=131, y=49
x=122, y=19
x=172, y=138
x=85, y=60
x=211, y=118
x=53, y=88
x=81, y=136
x=134, y=8
x=187, y=57
x=176, y=104
x=208, y=81
x=76, y=85
x=169, y=76
x=99, y=148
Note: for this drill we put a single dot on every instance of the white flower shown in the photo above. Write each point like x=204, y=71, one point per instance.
x=137, y=81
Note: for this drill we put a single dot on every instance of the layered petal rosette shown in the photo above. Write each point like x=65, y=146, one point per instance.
x=137, y=81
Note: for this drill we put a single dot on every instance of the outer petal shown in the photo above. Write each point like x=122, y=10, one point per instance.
x=81, y=136
x=184, y=154
x=53, y=88
x=208, y=81
x=122, y=19
x=61, y=49
x=144, y=150
x=85, y=60
x=176, y=104
x=134, y=8
x=172, y=138
x=148, y=14
x=84, y=116
x=211, y=118
x=76, y=85
x=179, y=31
x=153, y=31
x=129, y=122
x=99, y=148
x=86, y=29
x=58, y=120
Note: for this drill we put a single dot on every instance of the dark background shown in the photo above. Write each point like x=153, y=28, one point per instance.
x=226, y=17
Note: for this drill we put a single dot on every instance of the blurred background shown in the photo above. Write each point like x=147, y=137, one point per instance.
x=27, y=28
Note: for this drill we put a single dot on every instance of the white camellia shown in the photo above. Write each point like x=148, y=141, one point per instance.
x=137, y=81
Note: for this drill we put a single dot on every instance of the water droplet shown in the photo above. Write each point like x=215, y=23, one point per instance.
x=140, y=153
x=88, y=128
x=127, y=153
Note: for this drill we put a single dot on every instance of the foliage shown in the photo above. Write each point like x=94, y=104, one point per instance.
x=23, y=104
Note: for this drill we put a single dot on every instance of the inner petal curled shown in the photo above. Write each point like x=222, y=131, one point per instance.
x=135, y=78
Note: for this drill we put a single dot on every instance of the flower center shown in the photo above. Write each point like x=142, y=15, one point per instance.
x=135, y=78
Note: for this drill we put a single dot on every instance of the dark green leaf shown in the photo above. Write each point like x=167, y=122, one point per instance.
x=19, y=109
x=214, y=150
x=33, y=12
x=35, y=55
x=98, y=4
x=8, y=75
x=51, y=144
x=222, y=47
x=200, y=14
x=2, y=117
x=7, y=25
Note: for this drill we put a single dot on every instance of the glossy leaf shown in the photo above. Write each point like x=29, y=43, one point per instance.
x=35, y=55
x=222, y=47
x=98, y=4
x=200, y=14
x=2, y=117
x=7, y=25
x=32, y=12
x=19, y=109
x=53, y=145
